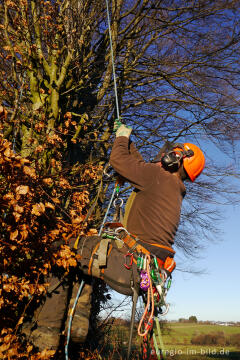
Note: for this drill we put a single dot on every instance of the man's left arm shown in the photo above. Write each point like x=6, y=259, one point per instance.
x=124, y=163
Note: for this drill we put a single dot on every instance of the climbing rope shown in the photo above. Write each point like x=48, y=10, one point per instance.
x=112, y=56
x=115, y=191
x=71, y=318
x=150, y=298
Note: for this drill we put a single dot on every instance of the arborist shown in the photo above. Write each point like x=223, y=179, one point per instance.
x=149, y=227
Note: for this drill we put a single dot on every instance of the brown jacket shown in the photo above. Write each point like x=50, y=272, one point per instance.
x=155, y=213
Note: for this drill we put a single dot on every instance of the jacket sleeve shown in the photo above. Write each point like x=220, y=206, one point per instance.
x=134, y=152
x=127, y=162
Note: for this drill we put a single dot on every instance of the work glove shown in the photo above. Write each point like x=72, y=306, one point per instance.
x=117, y=124
x=121, y=129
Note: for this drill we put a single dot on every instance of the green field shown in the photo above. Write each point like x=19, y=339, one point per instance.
x=178, y=342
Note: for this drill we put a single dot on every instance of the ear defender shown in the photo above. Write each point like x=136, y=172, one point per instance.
x=172, y=160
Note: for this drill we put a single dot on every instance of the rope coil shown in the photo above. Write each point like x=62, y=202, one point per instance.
x=150, y=299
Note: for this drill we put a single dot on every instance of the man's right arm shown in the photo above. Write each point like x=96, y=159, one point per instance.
x=134, y=152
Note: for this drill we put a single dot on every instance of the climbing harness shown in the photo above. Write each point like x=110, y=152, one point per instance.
x=154, y=274
x=155, y=281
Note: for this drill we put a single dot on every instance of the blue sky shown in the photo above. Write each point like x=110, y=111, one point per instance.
x=214, y=295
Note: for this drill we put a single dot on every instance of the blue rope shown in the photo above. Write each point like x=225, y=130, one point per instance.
x=71, y=318
x=100, y=231
x=82, y=283
x=113, y=66
x=107, y=211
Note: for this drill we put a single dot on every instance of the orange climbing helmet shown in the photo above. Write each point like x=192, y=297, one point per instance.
x=172, y=155
x=194, y=164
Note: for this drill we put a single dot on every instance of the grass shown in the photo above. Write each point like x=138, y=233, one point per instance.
x=177, y=342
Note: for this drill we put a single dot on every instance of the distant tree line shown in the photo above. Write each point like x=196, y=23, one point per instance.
x=216, y=338
x=191, y=319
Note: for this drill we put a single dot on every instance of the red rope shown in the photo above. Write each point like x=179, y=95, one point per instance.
x=149, y=295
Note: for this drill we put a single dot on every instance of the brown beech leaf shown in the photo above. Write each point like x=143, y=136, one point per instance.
x=7, y=47
x=48, y=181
x=5, y=347
x=29, y=348
x=14, y=234
x=46, y=353
x=24, y=161
x=18, y=208
x=38, y=209
x=22, y=189
x=92, y=232
x=49, y=205
x=24, y=234
x=54, y=232
x=29, y=171
x=78, y=220
x=8, y=196
x=68, y=115
x=16, y=215
x=7, y=152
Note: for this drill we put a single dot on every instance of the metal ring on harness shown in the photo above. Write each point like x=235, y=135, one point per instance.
x=115, y=202
x=121, y=228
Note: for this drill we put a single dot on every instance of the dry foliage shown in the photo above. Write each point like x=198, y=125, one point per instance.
x=32, y=221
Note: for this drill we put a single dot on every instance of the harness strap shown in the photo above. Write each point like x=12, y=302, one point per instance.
x=131, y=241
x=133, y=245
x=161, y=246
x=169, y=264
x=96, y=271
x=91, y=261
x=102, y=269
x=101, y=252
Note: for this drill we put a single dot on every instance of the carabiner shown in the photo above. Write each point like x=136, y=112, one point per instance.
x=107, y=173
x=128, y=265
